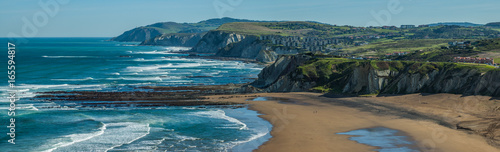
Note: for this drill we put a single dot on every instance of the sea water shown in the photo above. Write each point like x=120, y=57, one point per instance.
x=94, y=64
x=387, y=140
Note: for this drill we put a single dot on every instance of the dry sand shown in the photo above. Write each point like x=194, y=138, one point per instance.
x=309, y=122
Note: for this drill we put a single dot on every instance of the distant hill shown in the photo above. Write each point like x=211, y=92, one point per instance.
x=493, y=25
x=297, y=28
x=464, y=24
x=143, y=33
x=453, y=32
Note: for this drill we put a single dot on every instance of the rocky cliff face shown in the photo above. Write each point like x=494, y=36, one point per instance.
x=213, y=41
x=137, y=35
x=176, y=39
x=228, y=44
x=374, y=77
x=277, y=76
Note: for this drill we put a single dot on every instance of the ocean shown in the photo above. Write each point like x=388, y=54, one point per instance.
x=94, y=64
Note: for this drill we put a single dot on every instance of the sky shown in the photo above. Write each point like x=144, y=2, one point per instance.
x=109, y=18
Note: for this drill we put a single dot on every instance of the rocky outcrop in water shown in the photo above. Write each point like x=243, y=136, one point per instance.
x=176, y=39
x=291, y=73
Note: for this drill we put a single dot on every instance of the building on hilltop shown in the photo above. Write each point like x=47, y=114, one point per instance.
x=407, y=26
x=474, y=60
x=460, y=45
x=398, y=53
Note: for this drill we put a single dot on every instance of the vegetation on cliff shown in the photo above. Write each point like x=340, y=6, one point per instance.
x=489, y=48
x=307, y=72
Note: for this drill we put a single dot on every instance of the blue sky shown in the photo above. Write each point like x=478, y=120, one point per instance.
x=108, y=18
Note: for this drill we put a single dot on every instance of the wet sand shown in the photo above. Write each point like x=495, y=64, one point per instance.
x=309, y=121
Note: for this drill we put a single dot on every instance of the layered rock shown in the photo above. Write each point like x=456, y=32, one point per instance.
x=213, y=41
x=277, y=77
x=374, y=77
x=175, y=39
x=230, y=44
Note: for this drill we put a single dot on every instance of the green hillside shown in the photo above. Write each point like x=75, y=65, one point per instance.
x=384, y=46
x=298, y=28
x=489, y=48
x=331, y=74
x=150, y=31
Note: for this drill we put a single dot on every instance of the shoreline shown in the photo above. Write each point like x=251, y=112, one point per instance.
x=310, y=121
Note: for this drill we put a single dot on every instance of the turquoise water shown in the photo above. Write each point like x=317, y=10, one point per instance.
x=66, y=64
x=388, y=140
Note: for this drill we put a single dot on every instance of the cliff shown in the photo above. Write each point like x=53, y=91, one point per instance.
x=175, y=39
x=213, y=41
x=345, y=76
x=232, y=44
x=279, y=76
x=137, y=35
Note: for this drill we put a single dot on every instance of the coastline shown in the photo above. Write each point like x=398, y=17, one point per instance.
x=305, y=121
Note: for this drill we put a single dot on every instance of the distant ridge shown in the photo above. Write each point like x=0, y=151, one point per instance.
x=493, y=25
x=464, y=24
x=143, y=33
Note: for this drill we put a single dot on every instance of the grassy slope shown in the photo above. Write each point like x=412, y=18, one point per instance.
x=489, y=48
x=249, y=28
x=295, y=28
x=385, y=46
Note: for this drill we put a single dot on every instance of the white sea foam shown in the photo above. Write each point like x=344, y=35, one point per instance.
x=184, y=138
x=29, y=106
x=27, y=90
x=112, y=137
x=147, y=133
x=157, y=59
x=61, y=86
x=157, y=78
x=76, y=138
x=153, y=52
x=177, y=48
x=45, y=56
x=253, y=137
x=146, y=68
x=85, y=79
x=220, y=114
x=22, y=107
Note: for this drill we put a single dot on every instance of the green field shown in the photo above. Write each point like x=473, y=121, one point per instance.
x=384, y=46
x=251, y=29
x=299, y=28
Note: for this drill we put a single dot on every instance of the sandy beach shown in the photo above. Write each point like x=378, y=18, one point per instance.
x=309, y=121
